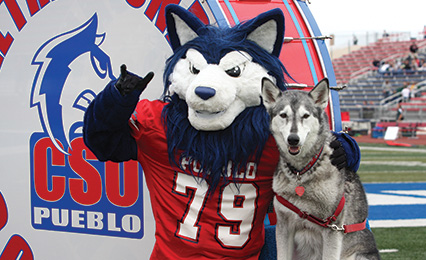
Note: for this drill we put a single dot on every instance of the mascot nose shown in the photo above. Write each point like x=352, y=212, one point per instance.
x=205, y=92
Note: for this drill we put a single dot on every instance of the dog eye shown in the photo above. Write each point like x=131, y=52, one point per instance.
x=193, y=69
x=283, y=115
x=305, y=116
x=234, y=72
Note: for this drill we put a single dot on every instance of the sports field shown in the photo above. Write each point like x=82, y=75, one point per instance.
x=395, y=182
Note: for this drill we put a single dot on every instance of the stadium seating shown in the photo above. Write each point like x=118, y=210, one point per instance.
x=363, y=96
x=361, y=61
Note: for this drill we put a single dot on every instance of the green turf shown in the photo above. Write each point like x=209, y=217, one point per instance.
x=398, y=165
x=395, y=165
x=409, y=241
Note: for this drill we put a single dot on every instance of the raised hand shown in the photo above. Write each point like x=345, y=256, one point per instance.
x=128, y=82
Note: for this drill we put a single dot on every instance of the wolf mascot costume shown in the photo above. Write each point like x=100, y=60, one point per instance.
x=206, y=150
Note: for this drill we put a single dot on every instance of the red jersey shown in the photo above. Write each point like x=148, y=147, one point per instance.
x=227, y=225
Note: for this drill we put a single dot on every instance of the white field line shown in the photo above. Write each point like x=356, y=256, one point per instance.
x=397, y=223
x=388, y=250
x=392, y=149
x=396, y=163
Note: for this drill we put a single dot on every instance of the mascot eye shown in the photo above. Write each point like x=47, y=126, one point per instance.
x=193, y=69
x=234, y=72
x=305, y=116
x=283, y=115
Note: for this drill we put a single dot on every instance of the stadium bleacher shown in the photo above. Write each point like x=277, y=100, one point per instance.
x=363, y=97
x=361, y=61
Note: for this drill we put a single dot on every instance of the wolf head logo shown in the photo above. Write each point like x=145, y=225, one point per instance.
x=53, y=59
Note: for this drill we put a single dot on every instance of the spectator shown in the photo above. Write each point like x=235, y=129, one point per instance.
x=393, y=68
x=406, y=94
x=385, y=34
x=423, y=67
x=414, y=62
x=376, y=63
x=387, y=89
x=367, y=110
x=412, y=87
x=398, y=64
x=412, y=56
x=406, y=65
x=399, y=113
x=413, y=48
x=384, y=68
x=355, y=40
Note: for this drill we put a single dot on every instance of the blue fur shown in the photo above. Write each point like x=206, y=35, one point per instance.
x=245, y=138
x=241, y=142
x=214, y=43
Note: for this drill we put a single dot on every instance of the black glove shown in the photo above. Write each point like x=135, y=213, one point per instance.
x=127, y=82
x=338, y=157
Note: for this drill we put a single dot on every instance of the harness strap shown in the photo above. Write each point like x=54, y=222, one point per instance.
x=324, y=222
x=355, y=227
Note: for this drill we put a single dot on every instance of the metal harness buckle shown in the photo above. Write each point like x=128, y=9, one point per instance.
x=336, y=228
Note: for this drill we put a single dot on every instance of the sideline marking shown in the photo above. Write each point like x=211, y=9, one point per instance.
x=397, y=223
x=396, y=204
x=414, y=150
x=388, y=250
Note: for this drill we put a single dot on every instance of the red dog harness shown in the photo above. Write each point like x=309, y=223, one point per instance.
x=321, y=222
x=325, y=222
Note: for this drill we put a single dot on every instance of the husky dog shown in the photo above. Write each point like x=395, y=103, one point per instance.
x=321, y=211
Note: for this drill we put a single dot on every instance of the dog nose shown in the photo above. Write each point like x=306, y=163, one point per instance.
x=293, y=139
x=205, y=92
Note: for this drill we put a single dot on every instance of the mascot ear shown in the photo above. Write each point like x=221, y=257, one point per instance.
x=182, y=25
x=267, y=30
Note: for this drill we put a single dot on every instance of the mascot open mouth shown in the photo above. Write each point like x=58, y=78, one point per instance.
x=294, y=150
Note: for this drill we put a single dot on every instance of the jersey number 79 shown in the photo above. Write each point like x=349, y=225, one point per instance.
x=236, y=207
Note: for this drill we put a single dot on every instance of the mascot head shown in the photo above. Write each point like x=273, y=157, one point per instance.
x=214, y=77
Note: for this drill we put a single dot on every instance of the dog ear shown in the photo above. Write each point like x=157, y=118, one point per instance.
x=182, y=25
x=267, y=31
x=270, y=92
x=320, y=93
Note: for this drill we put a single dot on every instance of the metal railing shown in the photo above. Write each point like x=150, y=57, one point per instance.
x=384, y=110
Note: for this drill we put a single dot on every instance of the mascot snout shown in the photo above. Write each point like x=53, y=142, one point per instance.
x=205, y=92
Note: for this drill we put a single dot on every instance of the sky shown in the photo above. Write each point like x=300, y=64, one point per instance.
x=361, y=16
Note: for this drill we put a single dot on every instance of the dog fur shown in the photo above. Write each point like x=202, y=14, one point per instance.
x=300, y=127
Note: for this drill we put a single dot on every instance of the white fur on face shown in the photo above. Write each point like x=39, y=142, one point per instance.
x=300, y=122
x=233, y=92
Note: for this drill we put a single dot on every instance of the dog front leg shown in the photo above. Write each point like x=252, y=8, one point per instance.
x=284, y=236
x=285, y=241
x=332, y=246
